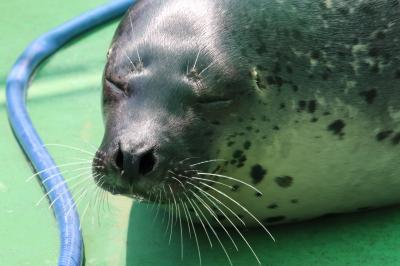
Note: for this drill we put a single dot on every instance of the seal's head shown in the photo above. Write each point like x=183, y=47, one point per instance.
x=169, y=92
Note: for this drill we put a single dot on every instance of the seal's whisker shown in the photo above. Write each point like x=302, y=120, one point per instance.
x=194, y=231
x=213, y=214
x=169, y=216
x=158, y=207
x=97, y=199
x=207, y=67
x=206, y=194
x=172, y=214
x=188, y=225
x=242, y=207
x=230, y=221
x=71, y=188
x=195, y=61
x=83, y=215
x=187, y=159
x=54, y=167
x=213, y=230
x=209, y=180
x=69, y=147
x=155, y=201
x=208, y=161
x=166, y=197
x=231, y=178
x=76, y=202
x=60, y=184
x=176, y=179
x=180, y=226
x=130, y=60
x=88, y=168
x=199, y=218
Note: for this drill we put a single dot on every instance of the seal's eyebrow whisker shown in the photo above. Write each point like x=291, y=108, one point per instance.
x=207, y=67
x=130, y=61
x=212, y=229
x=208, y=161
x=241, y=206
x=197, y=58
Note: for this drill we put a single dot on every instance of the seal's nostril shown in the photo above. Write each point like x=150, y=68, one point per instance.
x=119, y=160
x=147, y=162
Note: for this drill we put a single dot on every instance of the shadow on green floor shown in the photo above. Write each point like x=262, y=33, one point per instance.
x=324, y=241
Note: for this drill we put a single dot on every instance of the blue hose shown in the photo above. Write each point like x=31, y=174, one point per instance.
x=71, y=247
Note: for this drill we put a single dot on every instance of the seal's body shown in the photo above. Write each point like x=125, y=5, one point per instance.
x=300, y=98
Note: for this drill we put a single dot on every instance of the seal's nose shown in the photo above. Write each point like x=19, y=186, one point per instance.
x=133, y=165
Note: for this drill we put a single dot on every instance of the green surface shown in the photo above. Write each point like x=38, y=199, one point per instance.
x=64, y=103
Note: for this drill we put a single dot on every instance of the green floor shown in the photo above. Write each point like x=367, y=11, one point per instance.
x=64, y=103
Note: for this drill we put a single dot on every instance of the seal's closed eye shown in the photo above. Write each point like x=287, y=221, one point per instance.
x=116, y=88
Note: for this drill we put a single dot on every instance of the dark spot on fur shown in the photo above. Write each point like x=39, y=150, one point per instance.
x=247, y=145
x=315, y=55
x=396, y=139
x=383, y=135
x=272, y=206
x=284, y=181
x=374, y=51
x=257, y=173
x=336, y=127
x=230, y=143
x=274, y=219
x=369, y=95
x=397, y=74
x=237, y=153
x=302, y=105
x=380, y=35
x=312, y=106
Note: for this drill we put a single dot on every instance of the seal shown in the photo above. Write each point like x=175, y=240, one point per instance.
x=254, y=111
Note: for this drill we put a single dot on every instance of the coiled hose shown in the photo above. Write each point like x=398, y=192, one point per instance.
x=71, y=246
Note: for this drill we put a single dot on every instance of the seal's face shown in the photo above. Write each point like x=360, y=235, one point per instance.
x=164, y=111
